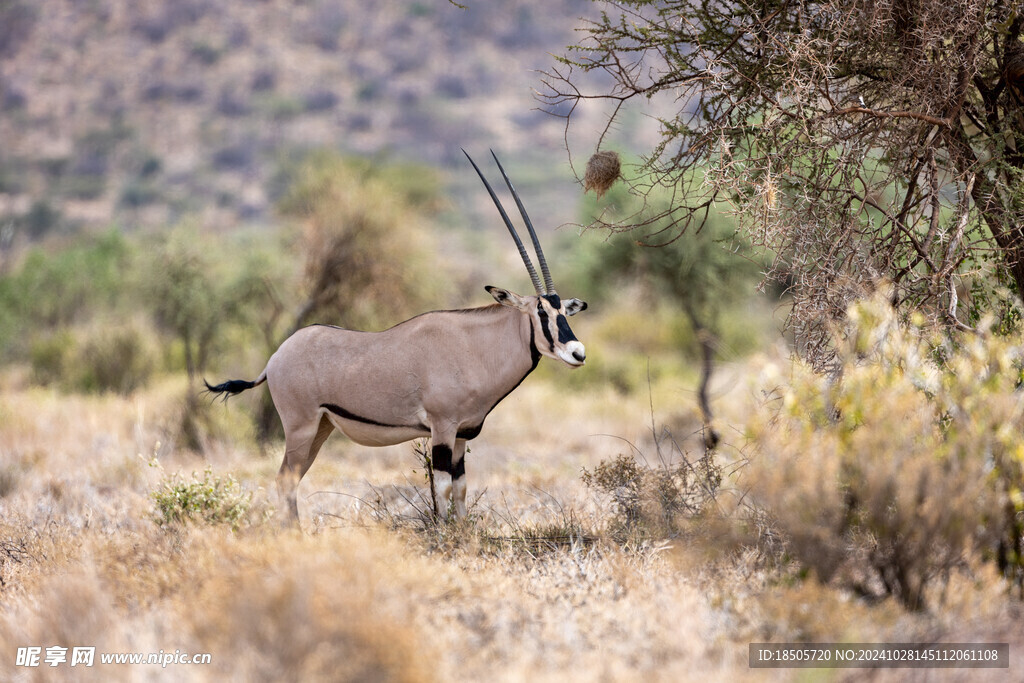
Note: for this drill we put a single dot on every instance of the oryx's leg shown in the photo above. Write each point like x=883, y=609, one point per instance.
x=447, y=455
x=301, y=444
x=441, y=461
x=459, y=478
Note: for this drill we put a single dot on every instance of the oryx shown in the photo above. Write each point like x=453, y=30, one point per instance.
x=438, y=374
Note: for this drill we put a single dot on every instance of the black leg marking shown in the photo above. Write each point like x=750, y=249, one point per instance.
x=441, y=458
x=459, y=469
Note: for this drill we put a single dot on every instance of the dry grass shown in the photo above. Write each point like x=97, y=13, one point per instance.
x=364, y=596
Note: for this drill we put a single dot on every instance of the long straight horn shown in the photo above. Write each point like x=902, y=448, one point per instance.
x=511, y=228
x=548, y=284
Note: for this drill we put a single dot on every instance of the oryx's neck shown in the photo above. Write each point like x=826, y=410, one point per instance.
x=504, y=341
x=523, y=354
x=508, y=353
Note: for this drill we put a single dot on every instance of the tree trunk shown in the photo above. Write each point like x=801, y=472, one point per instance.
x=1006, y=231
x=706, y=339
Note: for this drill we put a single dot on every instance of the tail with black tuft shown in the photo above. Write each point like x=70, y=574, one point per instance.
x=232, y=386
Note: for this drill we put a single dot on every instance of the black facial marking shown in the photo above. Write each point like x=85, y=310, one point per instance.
x=554, y=300
x=441, y=458
x=545, y=328
x=565, y=334
x=534, y=356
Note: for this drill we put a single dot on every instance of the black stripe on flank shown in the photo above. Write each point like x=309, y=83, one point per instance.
x=341, y=412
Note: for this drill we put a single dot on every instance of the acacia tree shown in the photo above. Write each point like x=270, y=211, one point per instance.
x=191, y=299
x=855, y=139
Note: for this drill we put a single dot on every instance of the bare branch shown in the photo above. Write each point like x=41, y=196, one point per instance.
x=855, y=141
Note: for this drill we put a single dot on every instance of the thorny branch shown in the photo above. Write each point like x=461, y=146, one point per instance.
x=855, y=141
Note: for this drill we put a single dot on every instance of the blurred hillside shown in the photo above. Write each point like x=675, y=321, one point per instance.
x=141, y=113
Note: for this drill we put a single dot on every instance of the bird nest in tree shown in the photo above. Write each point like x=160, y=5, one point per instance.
x=603, y=169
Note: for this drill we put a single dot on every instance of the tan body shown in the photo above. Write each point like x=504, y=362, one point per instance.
x=436, y=375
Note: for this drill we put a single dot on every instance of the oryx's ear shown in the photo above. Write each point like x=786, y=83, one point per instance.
x=574, y=306
x=507, y=298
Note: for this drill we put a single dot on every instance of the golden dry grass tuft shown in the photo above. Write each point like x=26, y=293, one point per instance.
x=332, y=607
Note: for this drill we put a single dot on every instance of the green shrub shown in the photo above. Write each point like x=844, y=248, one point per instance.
x=139, y=193
x=209, y=499
x=365, y=240
x=885, y=478
x=119, y=358
x=52, y=290
x=51, y=356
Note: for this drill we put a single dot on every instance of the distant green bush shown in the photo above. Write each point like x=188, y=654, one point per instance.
x=51, y=357
x=51, y=290
x=121, y=357
x=83, y=185
x=187, y=294
x=138, y=193
x=276, y=106
x=40, y=220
